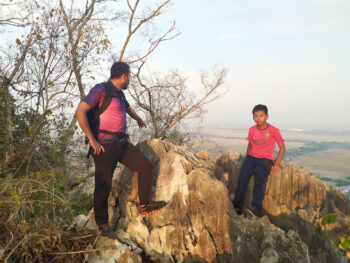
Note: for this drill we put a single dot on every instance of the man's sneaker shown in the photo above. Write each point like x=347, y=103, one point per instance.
x=105, y=231
x=150, y=208
x=252, y=212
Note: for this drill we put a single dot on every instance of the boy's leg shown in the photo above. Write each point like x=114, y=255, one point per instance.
x=105, y=164
x=242, y=182
x=261, y=174
x=136, y=161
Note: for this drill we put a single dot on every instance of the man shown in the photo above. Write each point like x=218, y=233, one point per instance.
x=110, y=144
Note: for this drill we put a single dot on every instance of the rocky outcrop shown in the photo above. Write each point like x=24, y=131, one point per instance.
x=199, y=223
x=296, y=200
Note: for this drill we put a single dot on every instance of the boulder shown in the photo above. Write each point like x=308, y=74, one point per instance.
x=199, y=223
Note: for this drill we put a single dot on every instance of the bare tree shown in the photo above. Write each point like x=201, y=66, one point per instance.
x=84, y=42
x=167, y=102
x=14, y=13
x=45, y=77
x=139, y=21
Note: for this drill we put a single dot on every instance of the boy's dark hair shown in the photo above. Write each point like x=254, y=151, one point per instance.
x=260, y=107
x=118, y=69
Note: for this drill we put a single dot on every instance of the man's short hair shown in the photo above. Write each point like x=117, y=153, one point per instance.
x=118, y=69
x=260, y=107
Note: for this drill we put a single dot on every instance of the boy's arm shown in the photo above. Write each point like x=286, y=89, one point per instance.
x=248, y=148
x=277, y=162
x=136, y=117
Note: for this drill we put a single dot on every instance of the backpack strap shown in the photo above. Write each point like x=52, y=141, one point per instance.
x=109, y=94
x=107, y=98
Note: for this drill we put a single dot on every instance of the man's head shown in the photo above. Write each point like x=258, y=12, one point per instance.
x=120, y=72
x=260, y=114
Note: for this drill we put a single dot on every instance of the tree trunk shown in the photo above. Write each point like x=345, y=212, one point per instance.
x=8, y=126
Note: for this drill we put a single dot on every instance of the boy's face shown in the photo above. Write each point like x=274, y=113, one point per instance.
x=260, y=117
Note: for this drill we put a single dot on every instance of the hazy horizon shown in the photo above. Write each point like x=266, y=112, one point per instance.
x=292, y=56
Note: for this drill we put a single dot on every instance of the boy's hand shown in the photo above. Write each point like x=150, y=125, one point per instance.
x=275, y=168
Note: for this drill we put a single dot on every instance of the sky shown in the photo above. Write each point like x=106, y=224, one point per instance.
x=291, y=55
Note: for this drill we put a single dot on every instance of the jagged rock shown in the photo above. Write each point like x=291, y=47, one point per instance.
x=199, y=223
x=203, y=155
x=130, y=257
x=111, y=251
x=296, y=200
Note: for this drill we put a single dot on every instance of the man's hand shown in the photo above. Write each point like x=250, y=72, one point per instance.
x=97, y=147
x=141, y=123
x=136, y=117
x=275, y=168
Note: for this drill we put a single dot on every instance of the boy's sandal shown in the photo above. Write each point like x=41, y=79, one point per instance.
x=150, y=208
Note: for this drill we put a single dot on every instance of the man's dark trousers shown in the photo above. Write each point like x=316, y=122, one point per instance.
x=105, y=164
x=261, y=169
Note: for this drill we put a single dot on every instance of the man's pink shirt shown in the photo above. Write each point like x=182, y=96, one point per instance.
x=263, y=142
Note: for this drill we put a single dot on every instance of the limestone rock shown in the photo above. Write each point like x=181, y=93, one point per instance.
x=199, y=223
x=111, y=251
x=203, y=155
x=296, y=200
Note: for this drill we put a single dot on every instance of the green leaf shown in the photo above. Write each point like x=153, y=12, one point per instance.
x=327, y=219
x=345, y=243
x=18, y=42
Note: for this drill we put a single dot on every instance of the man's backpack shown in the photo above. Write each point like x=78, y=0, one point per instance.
x=94, y=114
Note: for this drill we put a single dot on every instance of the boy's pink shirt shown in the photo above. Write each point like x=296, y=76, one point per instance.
x=263, y=142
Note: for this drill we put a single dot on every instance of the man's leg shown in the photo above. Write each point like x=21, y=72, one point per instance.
x=136, y=161
x=242, y=183
x=105, y=164
x=261, y=174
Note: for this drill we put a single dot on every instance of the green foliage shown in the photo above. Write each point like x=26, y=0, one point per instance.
x=345, y=243
x=327, y=219
x=80, y=204
x=325, y=178
x=313, y=146
x=343, y=240
x=178, y=137
x=337, y=181
x=42, y=198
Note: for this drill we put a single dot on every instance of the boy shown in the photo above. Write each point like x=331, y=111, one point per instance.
x=262, y=139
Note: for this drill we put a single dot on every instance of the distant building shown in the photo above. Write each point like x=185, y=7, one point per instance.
x=344, y=189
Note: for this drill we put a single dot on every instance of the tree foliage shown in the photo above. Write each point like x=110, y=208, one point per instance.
x=46, y=70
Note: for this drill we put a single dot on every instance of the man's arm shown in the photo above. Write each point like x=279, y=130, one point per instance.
x=136, y=117
x=81, y=114
x=277, y=162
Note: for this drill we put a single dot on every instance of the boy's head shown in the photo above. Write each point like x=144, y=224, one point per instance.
x=260, y=114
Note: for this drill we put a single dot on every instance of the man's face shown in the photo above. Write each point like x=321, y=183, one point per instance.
x=260, y=117
x=126, y=80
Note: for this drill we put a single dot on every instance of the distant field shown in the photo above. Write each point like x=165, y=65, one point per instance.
x=330, y=162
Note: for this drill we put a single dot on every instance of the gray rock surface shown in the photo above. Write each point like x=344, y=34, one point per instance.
x=199, y=223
